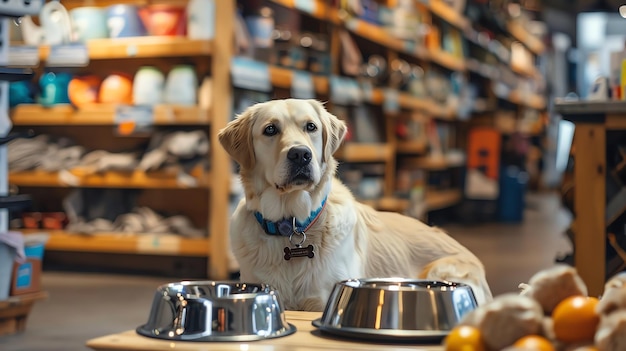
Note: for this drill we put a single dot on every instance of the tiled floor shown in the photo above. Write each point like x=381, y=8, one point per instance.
x=83, y=306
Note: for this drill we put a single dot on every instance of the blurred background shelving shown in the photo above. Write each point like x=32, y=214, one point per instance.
x=411, y=79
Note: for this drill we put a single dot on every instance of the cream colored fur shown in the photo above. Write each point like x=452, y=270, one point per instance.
x=351, y=240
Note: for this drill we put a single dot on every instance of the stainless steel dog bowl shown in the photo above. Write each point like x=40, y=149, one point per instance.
x=216, y=311
x=395, y=309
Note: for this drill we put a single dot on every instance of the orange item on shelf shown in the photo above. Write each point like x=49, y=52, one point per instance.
x=164, y=20
x=116, y=88
x=84, y=90
x=484, y=151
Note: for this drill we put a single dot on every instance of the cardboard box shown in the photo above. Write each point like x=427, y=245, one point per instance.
x=27, y=275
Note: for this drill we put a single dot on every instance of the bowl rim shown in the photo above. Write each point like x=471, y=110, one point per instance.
x=264, y=289
x=437, y=285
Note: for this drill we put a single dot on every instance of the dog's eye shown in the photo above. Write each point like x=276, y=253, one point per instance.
x=311, y=127
x=270, y=130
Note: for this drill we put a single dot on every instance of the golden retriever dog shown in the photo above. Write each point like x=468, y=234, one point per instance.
x=300, y=229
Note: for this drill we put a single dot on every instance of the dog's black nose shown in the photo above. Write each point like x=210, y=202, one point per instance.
x=299, y=155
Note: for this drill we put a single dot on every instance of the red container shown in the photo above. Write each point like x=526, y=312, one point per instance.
x=31, y=220
x=164, y=20
x=54, y=220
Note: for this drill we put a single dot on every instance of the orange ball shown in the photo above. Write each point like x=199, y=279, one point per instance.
x=464, y=338
x=117, y=88
x=575, y=319
x=83, y=90
x=535, y=343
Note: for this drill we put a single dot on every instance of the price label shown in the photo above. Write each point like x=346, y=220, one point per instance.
x=158, y=243
x=367, y=90
x=132, y=120
x=352, y=24
x=250, y=74
x=302, y=86
x=410, y=46
x=345, y=91
x=23, y=56
x=391, y=104
x=308, y=6
x=71, y=55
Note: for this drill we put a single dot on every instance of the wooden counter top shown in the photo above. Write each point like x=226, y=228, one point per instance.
x=306, y=338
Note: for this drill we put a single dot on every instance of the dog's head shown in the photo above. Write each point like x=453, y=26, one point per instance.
x=286, y=144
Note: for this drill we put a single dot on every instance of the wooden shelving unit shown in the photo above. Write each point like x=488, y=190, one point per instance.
x=443, y=11
x=104, y=114
x=520, y=33
x=431, y=163
x=356, y=152
x=210, y=56
x=125, y=243
x=412, y=147
x=282, y=78
x=141, y=47
x=111, y=179
x=438, y=199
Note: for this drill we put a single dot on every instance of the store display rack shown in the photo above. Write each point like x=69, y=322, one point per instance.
x=212, y=55
x=216, y=57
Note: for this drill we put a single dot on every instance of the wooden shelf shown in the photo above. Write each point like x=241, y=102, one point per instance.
x=446, y=13
x=409, y=102
x=388, y=204
x=315, y=8
x=528, y=71
x=534, y=101
x=319, y=9
x=435, y=200
x=442, y=112
x=359, y=152
x=447, y=60
x=124, y=243
x=412, y=147
x=430, y=163
x=111, y=179
x=142, y=47
x=520, y=33
x=282, y=78
x=380, y=36
x=103, y=114
x=439, y=199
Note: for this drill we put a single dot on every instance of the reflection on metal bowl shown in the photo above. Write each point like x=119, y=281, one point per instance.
x=216, y=311
x=396, y=309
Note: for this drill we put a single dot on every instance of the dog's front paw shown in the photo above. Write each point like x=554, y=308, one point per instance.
x=311, y=304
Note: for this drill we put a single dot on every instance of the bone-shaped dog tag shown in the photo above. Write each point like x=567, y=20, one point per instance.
x=299, y=251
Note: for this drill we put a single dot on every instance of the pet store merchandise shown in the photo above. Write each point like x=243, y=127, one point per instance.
x=121, y=157
x=20, y=257
x=20, y=279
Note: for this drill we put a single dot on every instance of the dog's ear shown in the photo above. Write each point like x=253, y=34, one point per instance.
x=236, y=138
x=334, y=129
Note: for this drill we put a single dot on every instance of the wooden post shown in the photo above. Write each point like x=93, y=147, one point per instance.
x=220, y=161
x=589, y=205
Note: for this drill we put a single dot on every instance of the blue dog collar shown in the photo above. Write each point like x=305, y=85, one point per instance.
x=284, y=227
